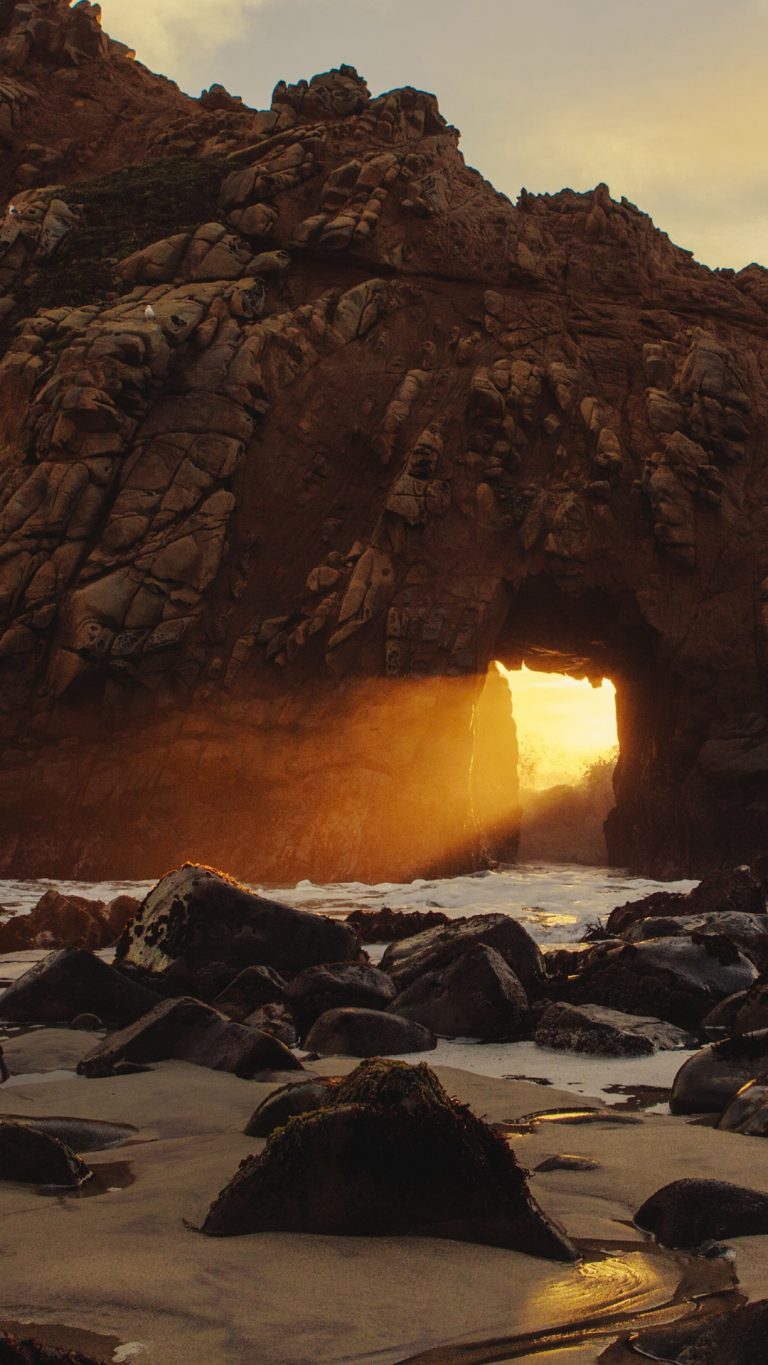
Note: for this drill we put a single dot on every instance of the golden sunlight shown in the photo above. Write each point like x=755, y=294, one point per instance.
x=563, y=725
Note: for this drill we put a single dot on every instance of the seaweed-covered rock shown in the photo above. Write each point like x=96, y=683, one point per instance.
x=199, y=916
x=189, y=1031
x=708, y=1080
x=32, y=1157
x=678, y=979
x=748, y=1110
x=731, y=889
x=286, y=1102
x=687, y=1213
x=353, y=1032
x=734, y=1338
x=250, y=989
x=378, y=1167
x=605, y=1032
x=337, y=985
x=438, y=948
x=72, y=982
x=477, y=996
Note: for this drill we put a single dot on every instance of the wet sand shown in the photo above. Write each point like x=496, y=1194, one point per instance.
x=126, y=1265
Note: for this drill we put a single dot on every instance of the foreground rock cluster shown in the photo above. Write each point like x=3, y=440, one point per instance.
x=379, y=426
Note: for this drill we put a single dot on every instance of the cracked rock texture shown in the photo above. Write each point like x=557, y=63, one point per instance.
x=301, y=425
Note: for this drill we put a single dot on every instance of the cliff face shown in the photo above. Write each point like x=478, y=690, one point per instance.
x=380, y=427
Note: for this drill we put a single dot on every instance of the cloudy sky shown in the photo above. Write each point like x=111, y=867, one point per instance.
x=666, y=100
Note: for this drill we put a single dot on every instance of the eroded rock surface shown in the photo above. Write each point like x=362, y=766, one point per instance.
x=594, y=1029
x=301, y=425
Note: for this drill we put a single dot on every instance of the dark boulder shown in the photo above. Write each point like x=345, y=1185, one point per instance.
x=378, y=1167
x=748, y=1110
x=32, y=1157
x=335, y=986
x=197, y=916
x=752, y=1014
x=477, y=996
x=708, y=1081
x=17, y=1351
x=389, y=926
x=366, y=1033
x=119, y=912
x=736, y=889
x=250, y=989
x=81, y=1135
x=285, y=1103
x=748, y=932
x=276, y=1020
x=438, y=948
x=677, y=979
x=687, y=1213
x=58, y=921
x=735, y=1338
x=188, y=1031
x=72, y=982
x=605, y=1032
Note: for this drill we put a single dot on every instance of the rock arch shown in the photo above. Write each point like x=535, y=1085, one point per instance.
x=384, y=426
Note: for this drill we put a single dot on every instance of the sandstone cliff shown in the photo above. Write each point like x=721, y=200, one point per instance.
x=379, y=427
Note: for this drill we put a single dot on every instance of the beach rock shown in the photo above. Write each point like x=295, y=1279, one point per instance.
x=72, y=982
x=286, y=1102
x=186, y=1030
x=26, y=1351
x=708, y=1081
x=119, y=912
x=731, y=890
x=376, y=1166
x=734, y=1338
x=276, y=1020
x=598, y=1030
x=80, y=1135
x=749, y=932
x=59, y=921
x=751, y=1016
x=687, y=1213
x=748, y=1110
x=676, y=979
x=32, y=1157
x=200, y=916
x=366, y=1033
x=250, y=989
x=565, y=1162
x=438, y=948
x=721, y=1019
x=90, y=1023
x=477, y=996
x=337, y=985
x=389, y=926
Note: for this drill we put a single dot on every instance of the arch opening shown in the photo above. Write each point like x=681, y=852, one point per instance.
x=567, y=753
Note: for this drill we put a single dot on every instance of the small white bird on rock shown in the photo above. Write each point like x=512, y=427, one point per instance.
x=150, y=313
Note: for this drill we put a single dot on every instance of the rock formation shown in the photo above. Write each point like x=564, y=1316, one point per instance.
x=259, y=549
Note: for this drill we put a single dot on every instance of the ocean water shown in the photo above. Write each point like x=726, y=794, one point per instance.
x=555, y=903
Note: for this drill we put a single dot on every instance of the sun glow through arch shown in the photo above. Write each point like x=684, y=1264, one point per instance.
x=563, y=724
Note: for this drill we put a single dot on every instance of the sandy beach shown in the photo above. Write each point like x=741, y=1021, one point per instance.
x=119, y=1270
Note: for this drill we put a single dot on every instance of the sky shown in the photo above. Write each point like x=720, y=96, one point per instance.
x=563, y=725
x=665, y=100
